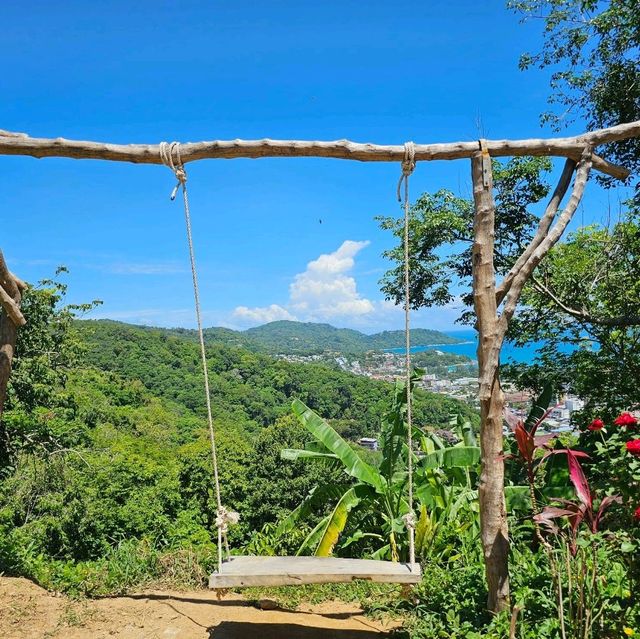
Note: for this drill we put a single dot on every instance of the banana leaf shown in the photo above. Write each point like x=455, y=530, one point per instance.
x=539, y=408
x=452, y=457
x=336, y=522
x=313, y=537
x=292, y=454
x=317, y=496
x=353, y=464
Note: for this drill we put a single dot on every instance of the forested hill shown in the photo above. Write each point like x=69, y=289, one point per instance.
x=308, y=338
x=249, y=389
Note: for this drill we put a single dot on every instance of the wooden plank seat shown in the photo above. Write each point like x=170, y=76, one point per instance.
x=244, y=572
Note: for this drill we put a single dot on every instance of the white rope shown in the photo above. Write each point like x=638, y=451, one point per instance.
x=408, y=166
x=224, y=517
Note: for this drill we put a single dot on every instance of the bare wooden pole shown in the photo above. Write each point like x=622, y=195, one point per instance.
x=493, y=514
x=494, y=307
x=12, y=288
x=570, y=147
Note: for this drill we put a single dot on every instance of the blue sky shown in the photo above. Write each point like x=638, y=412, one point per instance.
x=150, y=71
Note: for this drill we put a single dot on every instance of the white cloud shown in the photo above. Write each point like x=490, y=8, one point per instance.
x=324, y=291
x=262, y=315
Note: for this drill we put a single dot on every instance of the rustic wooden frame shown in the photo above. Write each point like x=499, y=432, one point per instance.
x=494, y=303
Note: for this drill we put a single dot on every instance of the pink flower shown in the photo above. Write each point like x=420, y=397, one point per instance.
x=625, y=419
x=596, y=424
x=633, y=447
x=636, y=514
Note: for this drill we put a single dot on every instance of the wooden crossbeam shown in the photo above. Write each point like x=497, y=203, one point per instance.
x=570, y=147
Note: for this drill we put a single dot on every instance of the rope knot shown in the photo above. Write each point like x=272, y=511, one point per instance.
x=408, y=165
x=409, y=162
x=226, y=518
x=410, y=520
x=167, y=156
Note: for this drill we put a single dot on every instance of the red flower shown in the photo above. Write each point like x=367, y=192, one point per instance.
x=636, y=514
x=633, y=447
x=625, y=419
x=596, y=424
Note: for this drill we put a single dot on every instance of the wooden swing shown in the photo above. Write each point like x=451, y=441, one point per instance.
x=494, y=303
x=247, y=571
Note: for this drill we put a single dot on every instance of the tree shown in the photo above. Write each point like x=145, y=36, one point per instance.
x=11, y=318
x=587, y=294
x=38, y=358
x=593, y=47
x=443, y=219
x=513, y=252
x=277, y=487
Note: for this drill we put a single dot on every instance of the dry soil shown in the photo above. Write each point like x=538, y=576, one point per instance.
x=27, y=611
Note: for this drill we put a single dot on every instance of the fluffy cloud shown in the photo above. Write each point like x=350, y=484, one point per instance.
x=324, y=291
x=262, y=315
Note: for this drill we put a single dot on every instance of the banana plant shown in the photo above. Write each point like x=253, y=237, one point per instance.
x=377, y=494
x=448, y=473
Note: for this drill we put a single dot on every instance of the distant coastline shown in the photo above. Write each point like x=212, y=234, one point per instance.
x=468, y=347
x=420, y=348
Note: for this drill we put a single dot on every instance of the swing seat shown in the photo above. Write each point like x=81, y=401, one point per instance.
x=244, y=572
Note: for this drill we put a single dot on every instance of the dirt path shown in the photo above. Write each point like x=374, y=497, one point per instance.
x=27, y=611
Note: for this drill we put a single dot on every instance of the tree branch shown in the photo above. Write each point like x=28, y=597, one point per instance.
x=8, y=281
x=512, y=297
x=571, y=147
x=543, y=228
x=21, y=284
x=582, y=315
x=11, y=308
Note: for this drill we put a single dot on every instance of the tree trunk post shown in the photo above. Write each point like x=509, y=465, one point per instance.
x=493, y=515
x=12, y=289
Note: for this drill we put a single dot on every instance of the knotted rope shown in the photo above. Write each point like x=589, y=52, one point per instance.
x=224, y=517
x=408, y=166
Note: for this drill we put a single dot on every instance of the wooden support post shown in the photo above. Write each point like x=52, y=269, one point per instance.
x=12, y=288
x=493, y=514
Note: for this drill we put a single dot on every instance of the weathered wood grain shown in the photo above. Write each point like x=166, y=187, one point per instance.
x=571, y=147
x=494, y=530
x=244, y=572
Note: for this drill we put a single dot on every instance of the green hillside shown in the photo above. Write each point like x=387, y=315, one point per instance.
x=109, y=478
x=309, y=338
x=248, y=388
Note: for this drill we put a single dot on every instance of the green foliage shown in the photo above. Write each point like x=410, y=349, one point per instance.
x=592, y=47
x=111, y=483
x=309, y=338
x=441, y=232
x=277, y=487
x=285, y=337
x=586, y=293
x=249, y=389
x=376, y=495
x=46, y=350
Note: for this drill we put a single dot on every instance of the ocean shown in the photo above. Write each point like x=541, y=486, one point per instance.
x=510, y=352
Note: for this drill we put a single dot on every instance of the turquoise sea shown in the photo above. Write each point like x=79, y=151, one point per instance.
x=468, y=347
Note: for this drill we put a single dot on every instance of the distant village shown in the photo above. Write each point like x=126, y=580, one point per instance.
x=447, y=379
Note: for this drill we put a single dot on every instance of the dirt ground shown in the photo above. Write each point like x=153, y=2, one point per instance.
x=27, y=611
